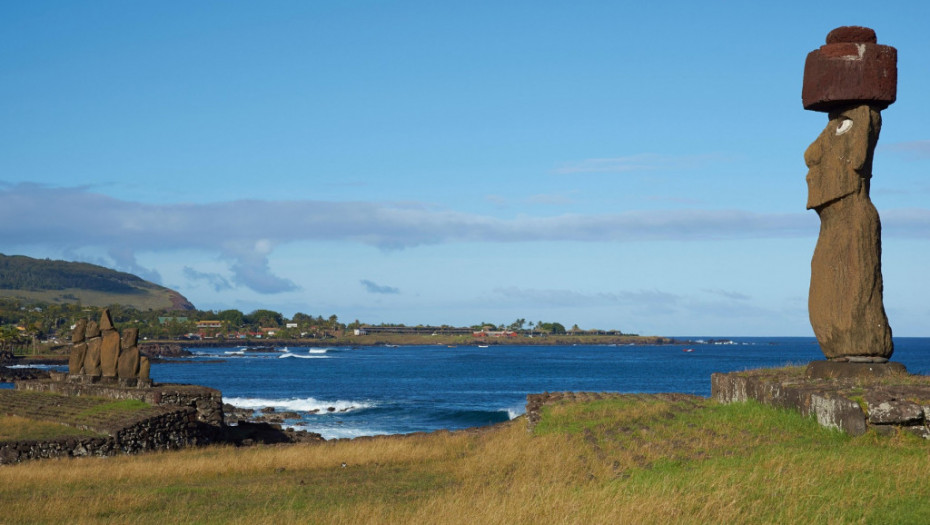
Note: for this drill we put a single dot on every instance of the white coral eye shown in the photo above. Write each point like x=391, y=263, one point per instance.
x=844, y=126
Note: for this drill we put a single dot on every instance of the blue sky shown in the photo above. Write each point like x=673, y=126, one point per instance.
x=634, y=166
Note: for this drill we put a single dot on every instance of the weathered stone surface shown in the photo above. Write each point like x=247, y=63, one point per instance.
x=834, y=369
x=838, y=412
x=920, y=431
x=77, y=333
x=853, y=404
x=93, y=330
x=886, y=409
x=130, y=338
x=850, y=69
x=145, y=368
x=76, y=359
x=852, y=34
x=106, y=322
x=108, y=346
x=845, y=301
x=92, y=358
x=109, y=352
x=128, y=365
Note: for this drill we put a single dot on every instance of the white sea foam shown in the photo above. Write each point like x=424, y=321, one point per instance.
x=514, y=413
x=288, y=354
x=318, y=350
x=43, y=367
x=235, y=352
x=307, y=404
x=342, y=433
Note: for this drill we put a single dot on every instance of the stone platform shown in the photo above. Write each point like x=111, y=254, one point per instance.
x=887, y=402
x=207, y=402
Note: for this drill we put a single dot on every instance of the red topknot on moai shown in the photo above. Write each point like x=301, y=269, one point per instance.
x=851, y=70
x=852, y=78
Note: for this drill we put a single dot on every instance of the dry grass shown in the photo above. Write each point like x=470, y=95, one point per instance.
x=15, y=428
x=642, y=459
x=100, y=414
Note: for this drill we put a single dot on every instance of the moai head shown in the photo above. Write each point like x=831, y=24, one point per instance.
x=93, y=330
x=852, y=78
x=78, y=332
x=840, y=160
x=130, y=338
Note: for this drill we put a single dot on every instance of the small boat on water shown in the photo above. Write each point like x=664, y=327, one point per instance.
x=688, y=350
x=482, y=346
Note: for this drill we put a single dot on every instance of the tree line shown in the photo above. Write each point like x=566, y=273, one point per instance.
x=28, y=320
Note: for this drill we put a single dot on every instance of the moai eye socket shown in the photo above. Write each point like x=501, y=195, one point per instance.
x=844, y=126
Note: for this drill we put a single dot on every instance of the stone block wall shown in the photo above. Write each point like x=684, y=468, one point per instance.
x=854, y=405
x=206, y=402
x=171, y=430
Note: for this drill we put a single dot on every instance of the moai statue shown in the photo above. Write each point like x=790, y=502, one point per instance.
x=109, y=346
x=78, y=348
x=145, y=368
x=99, y=352
x=92, y=357
x=852, y=79
x=128, y=364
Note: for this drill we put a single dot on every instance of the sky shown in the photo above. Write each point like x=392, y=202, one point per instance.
x=616, y=165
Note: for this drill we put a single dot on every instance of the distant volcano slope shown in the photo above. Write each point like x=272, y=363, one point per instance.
x=50, y=281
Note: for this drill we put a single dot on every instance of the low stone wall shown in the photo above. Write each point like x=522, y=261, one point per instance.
x=171, y=430
x=206, y=402
x=536, y=402
x=886, y=405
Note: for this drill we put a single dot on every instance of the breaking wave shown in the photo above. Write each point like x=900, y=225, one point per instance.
x=307, y=404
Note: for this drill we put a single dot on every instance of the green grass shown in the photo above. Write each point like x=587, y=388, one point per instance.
x=118, y=408
x=14, y=428
x=97, y=413
x=633, y=459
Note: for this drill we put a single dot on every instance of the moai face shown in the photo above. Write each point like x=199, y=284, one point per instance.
x=840, y=160
x=78, y=332
x=130, y=338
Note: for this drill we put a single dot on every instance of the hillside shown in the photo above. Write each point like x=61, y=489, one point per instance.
x=50, y=281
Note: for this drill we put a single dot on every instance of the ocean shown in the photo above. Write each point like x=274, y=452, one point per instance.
x=344, y=392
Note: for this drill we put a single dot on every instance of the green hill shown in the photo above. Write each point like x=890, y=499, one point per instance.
x=50, y=281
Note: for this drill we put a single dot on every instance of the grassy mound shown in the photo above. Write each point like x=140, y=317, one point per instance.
x=636, y=459
x=97, y=414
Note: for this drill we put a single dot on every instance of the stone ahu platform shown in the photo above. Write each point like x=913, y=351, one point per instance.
x=206, y=402
x=852, y=397
x=179, y=416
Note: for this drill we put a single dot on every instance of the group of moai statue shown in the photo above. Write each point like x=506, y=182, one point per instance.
x=99, y=353
x=852, y=78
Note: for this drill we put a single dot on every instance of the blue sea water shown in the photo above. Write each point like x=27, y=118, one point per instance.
x=382, y=390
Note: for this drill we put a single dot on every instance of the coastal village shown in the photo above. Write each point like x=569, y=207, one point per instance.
x=88, y=435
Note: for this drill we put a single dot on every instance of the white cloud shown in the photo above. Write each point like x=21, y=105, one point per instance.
x=915, y=149
x=633, y=163
x=372, y=287
x=217, y=281
x=246, y=233
x=728, y=294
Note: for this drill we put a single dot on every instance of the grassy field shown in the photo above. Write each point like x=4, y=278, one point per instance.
x=48, y=411
x=15, y=428
x=639, y=459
